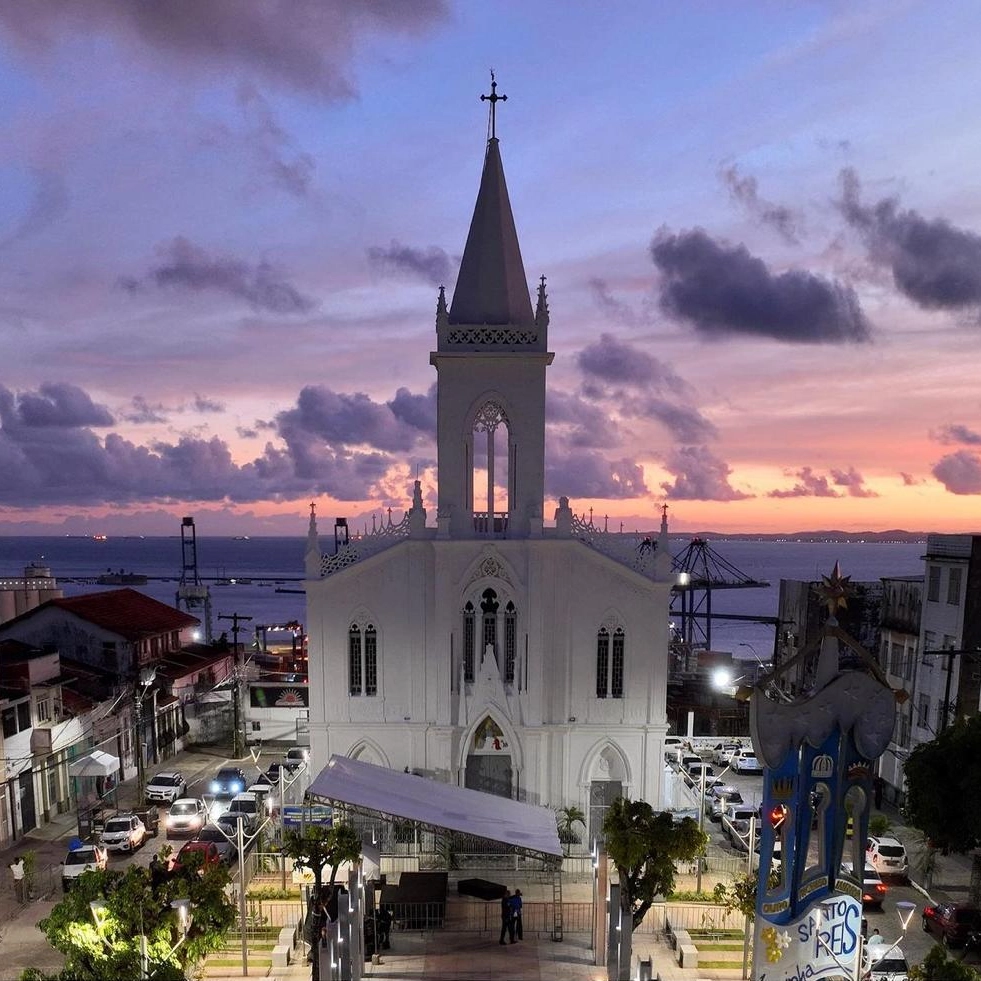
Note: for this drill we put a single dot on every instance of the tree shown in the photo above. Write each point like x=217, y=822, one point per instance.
x=740, y=895
x=644, y=846
x=940, y=772
x=316, y=847
x=939, y=966
x=568, y=818
x=137, y=906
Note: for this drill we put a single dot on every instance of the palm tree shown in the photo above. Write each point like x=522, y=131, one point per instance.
x=568, y=817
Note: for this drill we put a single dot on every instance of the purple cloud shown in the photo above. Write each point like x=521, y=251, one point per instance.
x=853, y=482
x=908, y=479
x=615, y=362
x=776, y=216
x=578, y=423
x=56, y=405
x=956, y=433
x=809, y=484
x=699, y=476
x=203, y=404
x=143, y=412
x=933, y=263
x=959, y=472
x=614, y=309
x=587, y=474
x=417, y=411
x=186, y=266
x=49, y=203
x=430, y=265
x=304, y=44
x=723, y=290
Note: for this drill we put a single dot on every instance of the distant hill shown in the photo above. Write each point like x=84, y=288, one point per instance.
x=896, y=535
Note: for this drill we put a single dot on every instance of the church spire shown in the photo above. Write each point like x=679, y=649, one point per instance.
x=491, y=287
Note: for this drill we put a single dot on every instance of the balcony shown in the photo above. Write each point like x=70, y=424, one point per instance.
x=490, y=524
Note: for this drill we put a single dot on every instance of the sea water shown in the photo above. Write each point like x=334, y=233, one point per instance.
x=262, y=577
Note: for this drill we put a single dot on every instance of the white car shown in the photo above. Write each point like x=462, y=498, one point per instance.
x=722, y=752
x=82, y=858
x=887, y=856
x=165, y=788
x=187, y=816
x=674, y=747
x=745, y=761
x=123, y=833
x=884, y=962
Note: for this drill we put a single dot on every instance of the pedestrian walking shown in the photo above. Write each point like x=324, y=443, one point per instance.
x=507, y=921
x=17, y=871
x=516, y=928
x=875, y=937
x=878, y=785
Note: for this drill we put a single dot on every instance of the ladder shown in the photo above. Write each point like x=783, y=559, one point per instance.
x=557, y=903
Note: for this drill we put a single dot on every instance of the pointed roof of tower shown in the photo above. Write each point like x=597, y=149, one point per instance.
x=491, y=287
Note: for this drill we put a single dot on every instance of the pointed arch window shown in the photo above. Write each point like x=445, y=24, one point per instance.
x=362, y=660
x=609, y=663
x=510, y=641
x=488, y=607
x=469, y=630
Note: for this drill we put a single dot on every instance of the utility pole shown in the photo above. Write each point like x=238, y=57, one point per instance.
x=950, y=654
x=238, y=743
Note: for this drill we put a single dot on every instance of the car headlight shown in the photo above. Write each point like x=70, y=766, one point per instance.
x=238, y=787
x=215, y=787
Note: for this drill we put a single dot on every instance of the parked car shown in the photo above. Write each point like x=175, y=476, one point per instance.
x=695, y=773
x=722, y=752
x=300, y=755
x=196, y=850
x=226, y=849
x=736, y=819
x=187, y=816
x=744, y=761
x=952, y=922
x=873, y=888
x=82, y=858
x=689, y=759
x=165, y=787
x=249, y=807
x=884, y=962
x=674, y=747
x=721, y=798
x=123, y=833
x=887, y=856
x=229, y=781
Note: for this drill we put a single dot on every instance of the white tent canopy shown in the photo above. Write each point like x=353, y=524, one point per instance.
x=94, y=764
x=367, y=787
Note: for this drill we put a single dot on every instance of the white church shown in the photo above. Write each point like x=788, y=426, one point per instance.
x=489, y=649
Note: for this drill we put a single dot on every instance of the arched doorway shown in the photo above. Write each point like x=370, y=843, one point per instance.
x=607, y=778
x=489, y=760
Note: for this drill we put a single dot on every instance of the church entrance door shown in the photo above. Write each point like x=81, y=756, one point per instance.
x=602, y=793
x=489, y=760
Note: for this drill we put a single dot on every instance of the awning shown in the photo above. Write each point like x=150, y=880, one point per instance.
x=94, y=764
x=366, y=787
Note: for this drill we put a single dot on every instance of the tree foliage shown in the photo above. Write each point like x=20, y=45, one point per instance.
x=740, y=895
x=137, y=903
x=644, y=845
x=316, y=848
x=939, y=966
x=566, y=820
x=945, y=770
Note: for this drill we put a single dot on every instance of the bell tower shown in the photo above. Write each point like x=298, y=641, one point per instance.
x=491, y=356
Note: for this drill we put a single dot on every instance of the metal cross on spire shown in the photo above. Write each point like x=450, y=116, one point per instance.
x=493, y=99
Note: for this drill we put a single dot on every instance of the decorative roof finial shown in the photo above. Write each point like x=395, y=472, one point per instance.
x=493, y=99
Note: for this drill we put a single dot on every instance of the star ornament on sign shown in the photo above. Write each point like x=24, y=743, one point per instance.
x=835, y=590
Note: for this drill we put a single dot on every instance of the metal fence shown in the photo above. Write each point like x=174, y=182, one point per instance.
x=470, y=916
x=668, y=917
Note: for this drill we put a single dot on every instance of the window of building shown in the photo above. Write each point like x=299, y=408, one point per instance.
x=488, y=607
x=510, y=641
x=929, y=644
x=362, y=660
x=954, y=586
x=469, y=627
x=909, y=661
x=23, y=716
x=904, y=728
x=933, y=583
x=609, y=663
x=896, y=659
x=44, y=710
x=8, y=718
x=923, y=715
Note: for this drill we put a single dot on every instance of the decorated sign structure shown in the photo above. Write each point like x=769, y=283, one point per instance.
x=817, y=750
x=279, y=696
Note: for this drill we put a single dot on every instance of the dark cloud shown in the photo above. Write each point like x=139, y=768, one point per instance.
x=959, y=472
x=617, y=363
x=723, y=290
x=935, y=264
x=957, y=433
x=143, y=412
x=304, y=44
x=699, y=476
x=203, y=404
x=575, y=423
x=431, y=265
x=49, y=203
x=744, y=189
x=55, y=405
x=187, y=266
x=418, y=411
x=586, y=474
x=684, y=422
x=243, y=433
x=285, y=167
x=853, y=482
x=809, y=484
x=908, y=479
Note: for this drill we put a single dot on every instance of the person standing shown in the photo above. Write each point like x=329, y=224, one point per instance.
x=507, y=923
x=17, y=871
x=516, y=928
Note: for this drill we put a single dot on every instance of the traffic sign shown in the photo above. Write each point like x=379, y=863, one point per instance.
x=295, y=815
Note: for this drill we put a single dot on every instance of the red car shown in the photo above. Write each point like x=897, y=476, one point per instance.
x=952, y=921
x=208, y=850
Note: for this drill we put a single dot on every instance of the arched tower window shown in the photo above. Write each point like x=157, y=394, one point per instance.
x=488, y=607
x=362, y=660
x=510, y=640
x=469, y=629
x=491, y=489
x=609, y=663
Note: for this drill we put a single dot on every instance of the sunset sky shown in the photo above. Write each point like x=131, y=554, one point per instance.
x=223, y=226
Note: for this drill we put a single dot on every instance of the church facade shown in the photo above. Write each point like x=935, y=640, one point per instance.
x=489, y=648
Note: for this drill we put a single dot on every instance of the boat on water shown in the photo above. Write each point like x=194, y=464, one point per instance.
x=110, y=578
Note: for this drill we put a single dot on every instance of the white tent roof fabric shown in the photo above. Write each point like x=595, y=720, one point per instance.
x=442, y=805
x=94, y=764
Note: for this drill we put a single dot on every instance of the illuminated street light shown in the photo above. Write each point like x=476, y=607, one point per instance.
x=100, y=914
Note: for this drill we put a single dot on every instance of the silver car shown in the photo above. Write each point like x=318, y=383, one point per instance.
x=187, y=816
x=124, y=833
